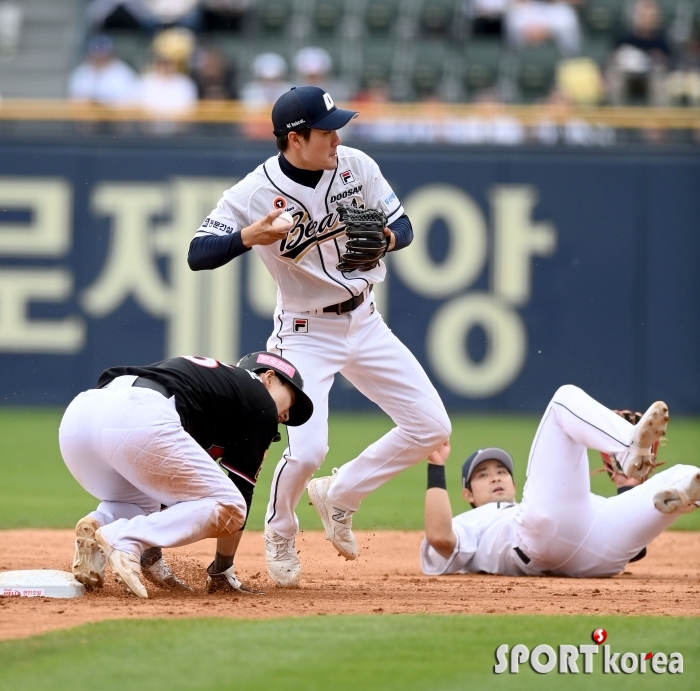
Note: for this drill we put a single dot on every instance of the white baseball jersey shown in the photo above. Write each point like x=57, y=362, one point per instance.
x=303, y=264
x=560, y=527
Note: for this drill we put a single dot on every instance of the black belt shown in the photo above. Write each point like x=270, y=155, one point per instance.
x=144, y=383
x=349, y=305
x=522, y=555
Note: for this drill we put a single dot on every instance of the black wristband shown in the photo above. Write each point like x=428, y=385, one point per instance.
x=436, y=476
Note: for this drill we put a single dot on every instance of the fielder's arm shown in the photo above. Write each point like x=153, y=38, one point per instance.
x=438, y=511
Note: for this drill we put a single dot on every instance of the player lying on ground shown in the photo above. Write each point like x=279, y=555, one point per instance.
x=342, y=218
x=149, y=437
x=559, y=528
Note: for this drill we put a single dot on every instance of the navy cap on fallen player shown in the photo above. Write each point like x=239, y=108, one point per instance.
x=308, y=106
x=484, y=455
x=261, y=361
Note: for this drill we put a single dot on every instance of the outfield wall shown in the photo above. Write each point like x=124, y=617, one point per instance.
x=528, y=270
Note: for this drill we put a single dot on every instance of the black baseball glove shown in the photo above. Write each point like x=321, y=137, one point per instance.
x=366, y=243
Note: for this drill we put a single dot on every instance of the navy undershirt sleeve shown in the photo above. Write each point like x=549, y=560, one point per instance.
x=213, y=251
x=403, y=232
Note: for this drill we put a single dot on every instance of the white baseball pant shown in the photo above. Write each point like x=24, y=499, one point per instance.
x=127, y=447
x=563, y=528
x=361, y=347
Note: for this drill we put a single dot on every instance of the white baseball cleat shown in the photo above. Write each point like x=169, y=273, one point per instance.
x=282, y=560
x=336, y=521
x=681, y=497
x=639, y=461
x=126, y=566
x=88, y=561
x=158, y=571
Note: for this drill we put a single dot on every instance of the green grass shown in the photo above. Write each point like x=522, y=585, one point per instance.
x=36, y=490
x=402, y=652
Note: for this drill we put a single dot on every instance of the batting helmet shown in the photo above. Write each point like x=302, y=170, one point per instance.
x=261, y=361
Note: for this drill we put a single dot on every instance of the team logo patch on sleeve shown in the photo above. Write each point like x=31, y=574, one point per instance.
x=301, y=326
x=279, y=203
x=347, y=177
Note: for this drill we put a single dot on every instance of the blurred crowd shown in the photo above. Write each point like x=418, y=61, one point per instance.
x=650, y=62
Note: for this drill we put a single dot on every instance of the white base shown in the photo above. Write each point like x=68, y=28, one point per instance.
x=39, y=583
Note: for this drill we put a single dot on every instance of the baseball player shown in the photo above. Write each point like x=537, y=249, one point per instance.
x=150, y=436
x=325, y=263
x=559, y=528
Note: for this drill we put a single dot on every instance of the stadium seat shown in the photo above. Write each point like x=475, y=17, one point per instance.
x=380, y=16
x=377, y=61
x=597, y=48
x=436, y=17
x=535, y=70
x=133, y=47
x=327, y=17
x=603, y=17
x=273, y=16
x=235, y=49
x=429, y=62
x=481, y=65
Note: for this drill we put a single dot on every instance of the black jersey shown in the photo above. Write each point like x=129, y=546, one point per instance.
x=227, y=410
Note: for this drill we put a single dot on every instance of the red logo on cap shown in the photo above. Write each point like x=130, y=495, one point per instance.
x=281, y=365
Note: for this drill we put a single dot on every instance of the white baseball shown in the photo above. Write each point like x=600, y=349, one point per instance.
x=284, y=218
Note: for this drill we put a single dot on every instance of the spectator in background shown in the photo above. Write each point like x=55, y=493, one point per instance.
x=10, y=28
x=164, y=90
x=269, y=83
x=486, y=16
x=683, y=84
x=150, y=15
x=314, y=68
x=103, y=78
x=640, y=62
x=213, y=76
x=531, y=22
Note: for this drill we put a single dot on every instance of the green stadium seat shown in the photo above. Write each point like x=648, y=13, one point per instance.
x=133, y=47
x=597, y=48
x=481, y=65
x=535, y=70
x=603, y=17
x=381, y=16
x=327, y=17
x=377, y=61
x=436, y=17
x=273, y=16
x=429, y=65
x=234, y=48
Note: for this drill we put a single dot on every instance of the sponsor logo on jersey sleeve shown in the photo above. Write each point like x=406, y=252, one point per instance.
x=389, y=199
x=217, y=225
x=347, y=177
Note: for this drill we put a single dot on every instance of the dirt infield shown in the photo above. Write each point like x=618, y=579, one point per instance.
x=385, y=579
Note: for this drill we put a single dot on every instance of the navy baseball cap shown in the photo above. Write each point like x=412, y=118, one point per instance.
x=260, y=361
x=485, y=455
x=308, y=106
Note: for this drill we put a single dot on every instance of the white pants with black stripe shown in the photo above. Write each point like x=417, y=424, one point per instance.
x=126, y=446
x=361, y=347
x=562, y=527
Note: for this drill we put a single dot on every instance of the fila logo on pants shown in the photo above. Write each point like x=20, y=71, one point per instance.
x=301, y=326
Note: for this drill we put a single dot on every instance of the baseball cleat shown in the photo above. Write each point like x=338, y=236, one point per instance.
x=126, y=566
x=281, y=559
x=336, y=521
x=88, y=561
x=681, y=497
x=227, y=581
x=639, y=461
x=157, y=571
